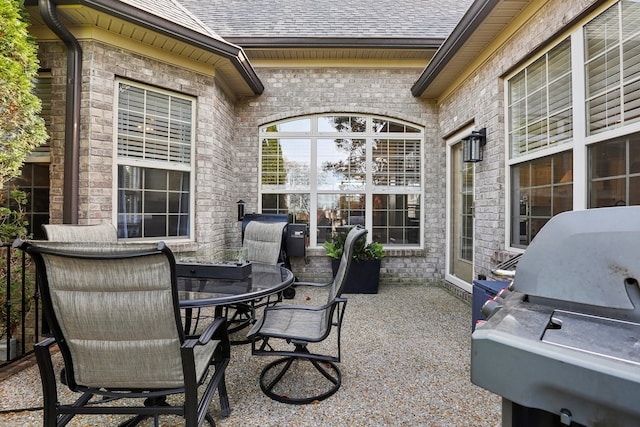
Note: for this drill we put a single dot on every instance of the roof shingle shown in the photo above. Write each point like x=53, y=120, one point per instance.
x=173, y=11
x=385, y=19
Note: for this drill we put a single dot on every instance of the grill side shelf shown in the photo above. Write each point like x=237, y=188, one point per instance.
x=611, y=338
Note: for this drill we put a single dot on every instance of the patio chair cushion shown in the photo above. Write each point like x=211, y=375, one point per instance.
x=80, y=233
x=303, y=324
x=263, y=241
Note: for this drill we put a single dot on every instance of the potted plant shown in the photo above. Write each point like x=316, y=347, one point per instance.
x=364, y=274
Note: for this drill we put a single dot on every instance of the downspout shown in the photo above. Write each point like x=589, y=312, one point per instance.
x=72, y=112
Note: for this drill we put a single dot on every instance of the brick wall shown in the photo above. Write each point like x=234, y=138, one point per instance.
x=228, y=146
x=52, y=57
x=102, y=64
x=227, y=137
x=291, y=92
x=480, y=98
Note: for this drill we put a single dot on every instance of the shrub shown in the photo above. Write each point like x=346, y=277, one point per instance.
x=362, y=250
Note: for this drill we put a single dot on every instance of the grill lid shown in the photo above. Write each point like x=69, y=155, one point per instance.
x=588, y=257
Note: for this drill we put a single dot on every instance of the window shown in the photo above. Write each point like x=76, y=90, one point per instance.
x=34, y=178
x=345, y=169
x=614, y=169
x=549, y=140
x=43, y=88
x=540, y=119
x=612, y=68
x=541, y=188
x=465, y=222
x=540, y=112
x=154, y=144
x=34, y=182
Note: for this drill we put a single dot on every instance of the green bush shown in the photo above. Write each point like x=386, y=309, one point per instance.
x=21, y=127
x=362, y=250
x=21, y=131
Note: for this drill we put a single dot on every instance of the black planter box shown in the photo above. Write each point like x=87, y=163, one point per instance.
x=363, y=277
x=213, y=271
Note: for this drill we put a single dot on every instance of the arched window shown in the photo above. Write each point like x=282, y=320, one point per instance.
x=333, y=171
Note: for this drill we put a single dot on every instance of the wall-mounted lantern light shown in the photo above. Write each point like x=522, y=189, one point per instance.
x=472, y=146
x=241, y=204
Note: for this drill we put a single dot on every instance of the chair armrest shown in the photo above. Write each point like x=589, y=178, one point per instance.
x=47, y=342
x=303, y=307
x=219, y=323
x=311, y=284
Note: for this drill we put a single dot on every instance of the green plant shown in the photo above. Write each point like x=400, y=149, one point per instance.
x=21, y=131
x=21, y=127
x=362, y=250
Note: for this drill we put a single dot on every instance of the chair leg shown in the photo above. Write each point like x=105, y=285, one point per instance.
x=148, y=402
x=329, y=370
x=210, y=420
x=243, y=316
x=239, y=316
x=225, y=408
x=48, y=378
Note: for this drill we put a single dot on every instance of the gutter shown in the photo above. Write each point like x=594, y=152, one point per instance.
x=233, y=53
x=469, y=23
x=336, y=42
x=72, y=112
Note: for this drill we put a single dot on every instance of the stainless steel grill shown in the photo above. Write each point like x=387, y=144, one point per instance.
x=563, y=347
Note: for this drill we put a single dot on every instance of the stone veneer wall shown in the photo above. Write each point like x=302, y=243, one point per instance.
x=480, y=98
x=291, y=92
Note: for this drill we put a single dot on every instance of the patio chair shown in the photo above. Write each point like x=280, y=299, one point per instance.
x=299, y=325
x=80, y=233
x=263, y=244
x=113, y=309
x=263, y=241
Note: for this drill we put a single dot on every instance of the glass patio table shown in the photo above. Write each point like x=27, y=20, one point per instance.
x=203, y=285
x=228, y=287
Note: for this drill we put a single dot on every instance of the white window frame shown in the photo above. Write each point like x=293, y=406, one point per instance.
x=581, y=141
x=368, y=189
x=450, y=142
x=156, y=164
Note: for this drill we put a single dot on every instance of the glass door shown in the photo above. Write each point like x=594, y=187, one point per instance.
x=461, y=217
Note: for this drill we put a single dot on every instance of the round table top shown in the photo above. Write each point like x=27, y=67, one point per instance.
x=203, y=285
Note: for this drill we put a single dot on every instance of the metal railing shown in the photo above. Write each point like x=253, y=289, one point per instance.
x=20, y=308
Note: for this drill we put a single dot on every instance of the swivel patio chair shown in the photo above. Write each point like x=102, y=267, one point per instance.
x=114, y=313
x=301, y=325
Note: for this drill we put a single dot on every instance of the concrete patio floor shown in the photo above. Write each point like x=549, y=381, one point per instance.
x=405, y=362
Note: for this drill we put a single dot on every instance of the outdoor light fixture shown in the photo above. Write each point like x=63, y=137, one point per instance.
x=241, y=204
x=472, y=146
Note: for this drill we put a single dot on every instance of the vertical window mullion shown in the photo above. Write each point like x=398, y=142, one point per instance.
x=313, y=185
x=579, y=93
x=621, y=65
x=368, y=182
x=627, y=171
